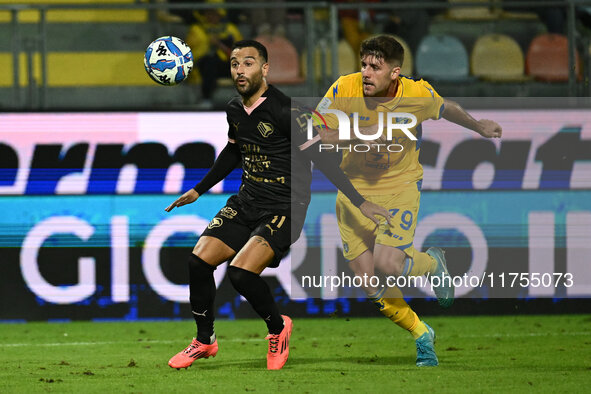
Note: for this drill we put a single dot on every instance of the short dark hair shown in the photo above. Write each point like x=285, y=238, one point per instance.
x=254, y=44
x=384, y=47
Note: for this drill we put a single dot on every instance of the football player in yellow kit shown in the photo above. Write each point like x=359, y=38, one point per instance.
x=391, y=178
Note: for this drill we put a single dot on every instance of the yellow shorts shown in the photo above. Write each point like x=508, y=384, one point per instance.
x=359, y=234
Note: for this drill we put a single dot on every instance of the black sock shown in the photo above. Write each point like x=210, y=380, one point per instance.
x=202, y=290
x=257, y=293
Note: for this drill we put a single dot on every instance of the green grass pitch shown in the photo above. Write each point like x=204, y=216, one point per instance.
x=476, y=354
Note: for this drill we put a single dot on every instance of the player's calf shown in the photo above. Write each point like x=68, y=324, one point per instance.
x=389, y=260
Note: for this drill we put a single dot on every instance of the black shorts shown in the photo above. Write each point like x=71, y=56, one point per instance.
x=239, y=221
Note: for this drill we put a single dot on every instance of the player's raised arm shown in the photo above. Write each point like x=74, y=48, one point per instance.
x=227, y=160
x=454, y=113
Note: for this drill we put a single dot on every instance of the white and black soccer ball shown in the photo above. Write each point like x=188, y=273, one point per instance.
x=168, y=60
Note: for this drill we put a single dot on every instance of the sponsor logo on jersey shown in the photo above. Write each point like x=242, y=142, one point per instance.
x=228, y=212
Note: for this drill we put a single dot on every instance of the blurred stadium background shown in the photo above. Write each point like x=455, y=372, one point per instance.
x=92, y=151
x=77, y=54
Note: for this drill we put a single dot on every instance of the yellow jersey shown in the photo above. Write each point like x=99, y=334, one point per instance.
x=378, y=171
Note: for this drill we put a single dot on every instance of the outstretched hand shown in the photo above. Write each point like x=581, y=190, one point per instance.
x=490, y=129
x=187, y=198
x=370, y=210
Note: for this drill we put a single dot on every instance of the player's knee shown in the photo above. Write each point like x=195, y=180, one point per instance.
x=199, y=272
x=239, y=277
x=201, y=249
x=389, y=266
x=198, y=265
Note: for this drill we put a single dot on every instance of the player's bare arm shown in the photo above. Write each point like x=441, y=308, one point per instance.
x=187, y=198
x=454, y=113
x=227, y=160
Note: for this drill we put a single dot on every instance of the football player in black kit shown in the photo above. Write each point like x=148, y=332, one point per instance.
x=258, y=225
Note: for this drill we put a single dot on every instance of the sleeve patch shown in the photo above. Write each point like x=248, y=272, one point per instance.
x=324, y=104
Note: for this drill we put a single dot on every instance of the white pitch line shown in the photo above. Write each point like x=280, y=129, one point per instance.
x=531, y=334
x=147, y=341
x=540, y=334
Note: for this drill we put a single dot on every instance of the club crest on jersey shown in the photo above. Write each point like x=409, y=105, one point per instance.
x=215, y=222
x=266, y=129
x=228, y=212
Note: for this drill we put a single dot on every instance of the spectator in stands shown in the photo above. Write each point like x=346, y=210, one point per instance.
x=356, y=25
x=211, y=38
x=172, y=15
x=409, y=24
x=267, y=21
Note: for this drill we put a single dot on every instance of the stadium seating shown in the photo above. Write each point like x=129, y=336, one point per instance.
x=73, y=15
x=472, y=13
x=547, y=58
x=441, y=57
x=348, y=59
x=407, y=65
x=85, y=47
x=348, y=62
x=84, y=69
x=284, y=60
x=101, y=51
x=497, y=57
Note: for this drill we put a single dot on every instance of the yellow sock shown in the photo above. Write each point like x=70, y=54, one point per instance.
x=418, y=265
x=392, y=305
x=419, y=330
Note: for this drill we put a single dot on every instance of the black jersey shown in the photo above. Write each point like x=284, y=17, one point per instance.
x=268, y=157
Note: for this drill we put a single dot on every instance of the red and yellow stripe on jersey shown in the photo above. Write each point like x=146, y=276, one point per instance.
x=378, y=172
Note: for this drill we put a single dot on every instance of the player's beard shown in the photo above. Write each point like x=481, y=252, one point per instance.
x=373, y=91
x=252, y=85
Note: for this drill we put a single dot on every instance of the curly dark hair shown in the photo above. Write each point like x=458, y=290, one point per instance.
x=384, y=47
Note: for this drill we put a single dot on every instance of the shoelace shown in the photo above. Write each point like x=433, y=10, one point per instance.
x=421, y=347
x=191, y=347
x=273, y=342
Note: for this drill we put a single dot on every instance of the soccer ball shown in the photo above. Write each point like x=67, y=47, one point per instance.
x=168, y=60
